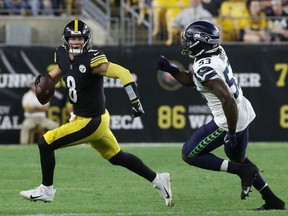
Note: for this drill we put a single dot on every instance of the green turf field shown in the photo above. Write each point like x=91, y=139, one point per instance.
x=87, y=185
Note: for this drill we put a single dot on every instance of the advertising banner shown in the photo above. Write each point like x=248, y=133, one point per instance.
x=172, y=111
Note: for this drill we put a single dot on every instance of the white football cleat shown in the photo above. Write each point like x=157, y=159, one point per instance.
x=162, y=184
x=41, y=193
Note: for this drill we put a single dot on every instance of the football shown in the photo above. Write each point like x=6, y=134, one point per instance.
x=44, y=88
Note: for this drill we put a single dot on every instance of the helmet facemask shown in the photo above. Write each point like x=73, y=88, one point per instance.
x=76, y=51
x=190, y=47
x=200, y=37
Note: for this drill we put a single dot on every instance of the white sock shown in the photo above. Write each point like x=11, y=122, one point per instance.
x=224, y=166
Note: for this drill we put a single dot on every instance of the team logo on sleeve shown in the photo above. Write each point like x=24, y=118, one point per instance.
x=82, y=68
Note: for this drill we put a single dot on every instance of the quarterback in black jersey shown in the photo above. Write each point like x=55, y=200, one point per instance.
x=83, y=70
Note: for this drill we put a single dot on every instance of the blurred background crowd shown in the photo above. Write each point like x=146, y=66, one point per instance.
x=238, y=20
x=39, y=7
x=162, y=21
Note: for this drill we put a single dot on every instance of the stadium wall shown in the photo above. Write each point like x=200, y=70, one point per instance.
x=173, y=112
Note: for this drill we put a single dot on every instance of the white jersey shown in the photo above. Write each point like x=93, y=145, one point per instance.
x=217, y=66
x=29, y=99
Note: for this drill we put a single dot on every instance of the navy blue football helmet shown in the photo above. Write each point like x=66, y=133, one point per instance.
x=200, y=37
x=76, y=28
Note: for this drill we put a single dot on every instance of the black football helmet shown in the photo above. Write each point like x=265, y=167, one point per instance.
x=200, y=37
x=76, y=28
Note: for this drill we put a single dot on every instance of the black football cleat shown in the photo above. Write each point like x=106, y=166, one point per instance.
x=247, y=175
x=274, y=203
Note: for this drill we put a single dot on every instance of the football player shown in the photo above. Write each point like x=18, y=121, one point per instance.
x=83, y=69
x=213, y=77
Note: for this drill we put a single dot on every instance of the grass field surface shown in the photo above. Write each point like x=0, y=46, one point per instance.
x=88, y=185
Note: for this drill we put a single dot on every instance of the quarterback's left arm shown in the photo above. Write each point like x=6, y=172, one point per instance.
x=113, y=70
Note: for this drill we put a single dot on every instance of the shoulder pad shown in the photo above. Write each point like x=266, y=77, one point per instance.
x=57, y=52
x=205, y=73
x=97, y=57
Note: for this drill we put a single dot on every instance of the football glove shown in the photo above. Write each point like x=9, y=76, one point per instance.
x=163, y=64
x=137, y=109
x=230, y=139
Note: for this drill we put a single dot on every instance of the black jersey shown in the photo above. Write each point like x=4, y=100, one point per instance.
x=85, y=90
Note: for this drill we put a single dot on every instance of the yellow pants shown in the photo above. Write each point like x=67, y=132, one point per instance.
x=81, y=130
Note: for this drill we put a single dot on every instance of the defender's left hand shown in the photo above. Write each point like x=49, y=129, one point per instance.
x=162, y=64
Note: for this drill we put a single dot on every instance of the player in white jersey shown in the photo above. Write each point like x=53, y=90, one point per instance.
x=232, y=113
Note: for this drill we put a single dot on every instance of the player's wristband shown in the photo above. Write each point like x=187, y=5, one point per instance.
x=132, y=91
